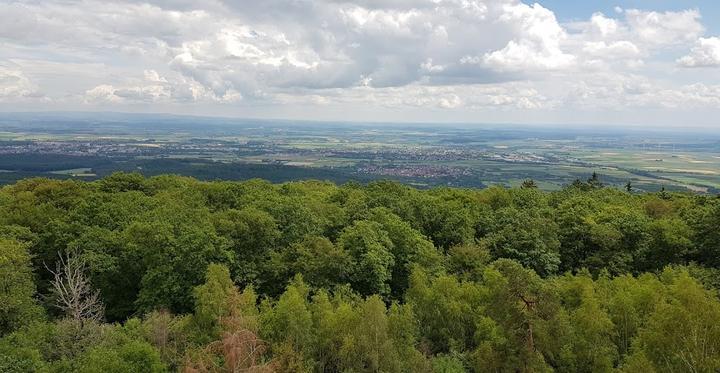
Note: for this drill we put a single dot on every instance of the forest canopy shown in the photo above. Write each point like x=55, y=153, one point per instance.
x=168, y=273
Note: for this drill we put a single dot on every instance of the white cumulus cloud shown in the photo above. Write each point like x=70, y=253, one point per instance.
x=705, y=53
x=16, y=86
x=537, y=45
x=663, y=28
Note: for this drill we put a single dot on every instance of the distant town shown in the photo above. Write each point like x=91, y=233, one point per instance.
x=420, y=155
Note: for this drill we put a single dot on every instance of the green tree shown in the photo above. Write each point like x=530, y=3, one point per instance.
x=519, y=302
x=588, y=345
x=448, y=311
x=18, y=306
x=447, y=364
x=253, y=235
x=707, y=237
x=530, y=237
x=409, y=248
x=369, y=346
x=445, y=221
x=122, y=182
x=594, y=181
x=528, y=184
x=173, y=260
x=109, y=265
x=218, y=300
x=630, y=302
x=131, y=357
x=681, y=335
x=372, y=251
x=321, y=263
x=669, y=242
x=468, y=261
x=288, y=324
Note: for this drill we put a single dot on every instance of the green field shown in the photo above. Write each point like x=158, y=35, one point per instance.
x=418, y=155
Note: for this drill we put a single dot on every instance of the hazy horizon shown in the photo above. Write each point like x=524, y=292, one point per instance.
x=106, y=115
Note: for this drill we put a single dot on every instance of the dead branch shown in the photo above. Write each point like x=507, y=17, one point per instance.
x=73, y=292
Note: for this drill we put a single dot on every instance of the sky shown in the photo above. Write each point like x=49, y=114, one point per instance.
x=630, y=62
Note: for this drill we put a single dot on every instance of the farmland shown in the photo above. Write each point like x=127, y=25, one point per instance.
x=424, y=155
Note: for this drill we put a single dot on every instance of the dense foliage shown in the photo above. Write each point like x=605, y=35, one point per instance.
x=316, y=277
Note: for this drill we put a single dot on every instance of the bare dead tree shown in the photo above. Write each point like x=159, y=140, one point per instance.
x=73, y=292
x=239, y=351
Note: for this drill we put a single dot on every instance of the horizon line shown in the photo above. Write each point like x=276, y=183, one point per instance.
x=459, y=124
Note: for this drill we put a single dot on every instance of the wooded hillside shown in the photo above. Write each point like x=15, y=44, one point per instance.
x=133, y=274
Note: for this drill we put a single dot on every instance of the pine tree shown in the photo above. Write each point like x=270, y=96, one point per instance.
x=529, y=184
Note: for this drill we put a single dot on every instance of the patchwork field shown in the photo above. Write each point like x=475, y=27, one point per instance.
x=418, y=154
